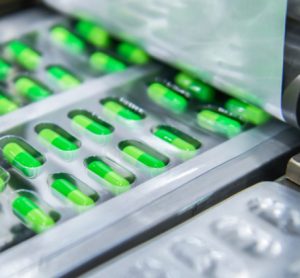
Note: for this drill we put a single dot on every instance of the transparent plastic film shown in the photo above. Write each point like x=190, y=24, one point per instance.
x=237, y=46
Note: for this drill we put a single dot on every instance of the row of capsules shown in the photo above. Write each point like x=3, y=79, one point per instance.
x=79, y=39
x=118, y=179
x=73, y=51
x=182, y=93
x=26, y=159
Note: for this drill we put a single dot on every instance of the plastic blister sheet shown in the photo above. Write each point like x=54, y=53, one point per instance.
x=240, y=237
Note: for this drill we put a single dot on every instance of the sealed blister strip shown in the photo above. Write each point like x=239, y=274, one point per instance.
x=58, y=164
x=35, y=76
x=108, y=142
x=70, y=145
x=43, y=63
x=240, y=237
x=213, y=116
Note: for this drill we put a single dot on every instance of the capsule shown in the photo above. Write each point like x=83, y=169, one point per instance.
x=93, y=126
x=2, y=184
x=31, y=89
x=218, y=123
x=63, y=77
x=176, y=138
x=21, y=159
x=4, y=178
x=92, y=33
x=67, y=39
x=167, y=98
x=6, y=105
x=106, y=172
x=71, y=192
x=19, y=52
x=36, y=218
x=57, y=140
x=132, y=53
x=121, y=109
x=5, y=70
x=102, y=62
x=246, y=112
x=144, y=154
x=196, y=88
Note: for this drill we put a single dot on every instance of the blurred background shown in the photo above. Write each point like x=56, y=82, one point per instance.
x=8, y=6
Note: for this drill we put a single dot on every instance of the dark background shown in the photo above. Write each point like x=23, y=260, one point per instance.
x=8, y=6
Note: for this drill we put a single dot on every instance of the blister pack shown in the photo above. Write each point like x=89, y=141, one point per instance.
x=86, y=118
x=252, y=234
x=117, y=140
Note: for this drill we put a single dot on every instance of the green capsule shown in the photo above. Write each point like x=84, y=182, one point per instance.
x=64, y=79
x=5, y=70
x=176, y=138
x=19, y=52
x=2, y=184
x=107, y=173
x=71, y=192
x=218, y=123
x=196, y=88
x=122, y=109
x=4, y=177
x=92, y=125
x=65, y=38
x=246, y=112
x=167, y=98
x=132, y=53
x=6, y=105
x=21, y=159
x=31, y=89
x=144, y=154
x=34, y=217
x=92, y=33
x=57, y=140
x=102, y=62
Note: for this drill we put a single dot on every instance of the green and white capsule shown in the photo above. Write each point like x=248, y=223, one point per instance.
x=66, y=39
x=102, y=62
x=23, y=157
x=92, y=33
x=167, y=98
x=219, y=123
x=32, y=215
x=91, y=123
x=132, y=53
x=176, y=138
x=6, y=105
x=5, y=70
x=246, y=112
x=32, y=90
x=58, y=138
x=144, y=154
x=118, y=181
x=22, y=54
x=68, y=190
x=63, y=78
x=123, y=109
x=199, y=90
